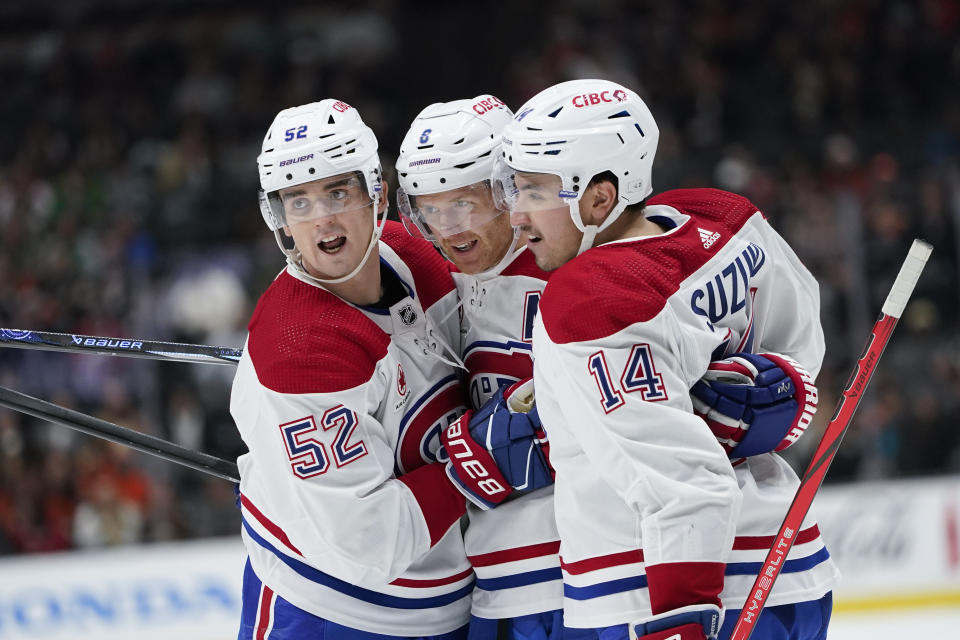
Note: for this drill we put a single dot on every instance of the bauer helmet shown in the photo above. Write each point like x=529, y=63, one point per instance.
x=311, y=142
x=576, y=130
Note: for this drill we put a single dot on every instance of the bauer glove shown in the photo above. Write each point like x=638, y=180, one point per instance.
x=755, y=403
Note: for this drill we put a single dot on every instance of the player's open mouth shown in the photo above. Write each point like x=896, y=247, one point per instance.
x=532, y=238
x=331, y=244
x=466, y=246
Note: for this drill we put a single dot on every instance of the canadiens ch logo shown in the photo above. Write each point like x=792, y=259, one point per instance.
x=407, y=315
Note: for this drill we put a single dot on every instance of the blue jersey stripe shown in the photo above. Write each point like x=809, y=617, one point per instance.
x=373, y=597
x=735, y=569
x=790, y=566
x=605, y=588
x=520, y=579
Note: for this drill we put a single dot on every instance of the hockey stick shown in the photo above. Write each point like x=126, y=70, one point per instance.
x=122, y=435
x=830, y=441
x=155, y=350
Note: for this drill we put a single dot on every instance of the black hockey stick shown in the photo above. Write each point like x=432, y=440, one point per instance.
x=115, y=433
x=153, y=349
x=830, y=441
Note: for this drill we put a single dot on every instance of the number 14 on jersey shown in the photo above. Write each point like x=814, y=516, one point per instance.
x=640, y=374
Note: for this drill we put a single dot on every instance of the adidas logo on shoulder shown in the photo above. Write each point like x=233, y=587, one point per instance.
x=708, y=237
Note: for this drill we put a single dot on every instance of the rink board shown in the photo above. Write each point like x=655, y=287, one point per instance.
x=187, y=591
x=897, y=544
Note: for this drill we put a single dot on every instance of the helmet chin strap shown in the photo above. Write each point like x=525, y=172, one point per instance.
x=503, y=262
x=508, y=256
x=590, y=231
x=294, y=258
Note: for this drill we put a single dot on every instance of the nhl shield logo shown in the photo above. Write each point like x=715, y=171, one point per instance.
x=407, y=315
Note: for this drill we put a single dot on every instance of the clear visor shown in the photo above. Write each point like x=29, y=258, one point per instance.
x=521, y=191
x=447, y=213
x=330, y=196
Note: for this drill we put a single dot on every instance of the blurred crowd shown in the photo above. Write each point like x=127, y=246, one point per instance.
x=128, y=138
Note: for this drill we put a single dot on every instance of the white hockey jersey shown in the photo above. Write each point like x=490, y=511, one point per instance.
x=513, y=548
x=651, y=514
x=341, y=408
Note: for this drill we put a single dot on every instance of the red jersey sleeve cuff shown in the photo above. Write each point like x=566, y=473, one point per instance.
x=680, y=584
x=440, y=503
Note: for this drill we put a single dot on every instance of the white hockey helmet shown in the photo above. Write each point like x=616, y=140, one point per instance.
x=576, y=130
x=450, y=145
x=311, y=142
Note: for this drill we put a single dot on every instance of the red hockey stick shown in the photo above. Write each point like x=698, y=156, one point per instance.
x=827, y=449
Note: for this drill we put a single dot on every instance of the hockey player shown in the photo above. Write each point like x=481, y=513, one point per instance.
x=659, y=531
x=444, y=169
x=351, y=527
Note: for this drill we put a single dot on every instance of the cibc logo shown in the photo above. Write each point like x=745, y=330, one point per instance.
x=590, y=99
x=487, y=104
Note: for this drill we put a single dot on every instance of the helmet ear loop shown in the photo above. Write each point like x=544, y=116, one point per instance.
x=590, y=231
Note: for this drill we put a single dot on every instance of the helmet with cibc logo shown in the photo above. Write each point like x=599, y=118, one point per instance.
x=577, y=130
x=451, y=147
x=451, y=144
x=311, y=142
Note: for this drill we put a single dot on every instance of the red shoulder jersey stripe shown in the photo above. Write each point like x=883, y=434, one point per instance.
x=431, y=272
x=303, y=339
x=611, y=287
